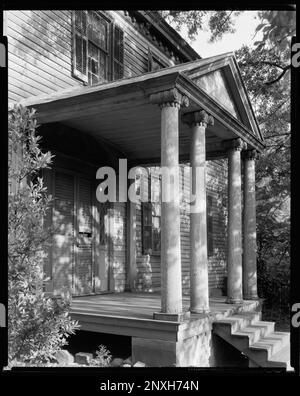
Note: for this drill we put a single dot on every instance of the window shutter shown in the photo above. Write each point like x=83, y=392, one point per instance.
x=209, y=225
x=147, y=227
x=80, y=45
x=118, y=53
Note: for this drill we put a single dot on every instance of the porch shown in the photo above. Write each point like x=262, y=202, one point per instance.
x=156, y=342
x=131, y=314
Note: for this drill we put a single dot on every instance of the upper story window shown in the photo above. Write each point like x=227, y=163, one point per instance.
x=98, y=48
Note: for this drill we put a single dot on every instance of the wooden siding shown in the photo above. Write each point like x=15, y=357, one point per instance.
x=40, y=51
x=148, y=266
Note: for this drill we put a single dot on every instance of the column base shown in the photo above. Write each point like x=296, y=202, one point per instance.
x=234, y=301
x=251, y=297
x=199, y=310
x=170, y=317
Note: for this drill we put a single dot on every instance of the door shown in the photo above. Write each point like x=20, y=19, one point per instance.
x=80, y=259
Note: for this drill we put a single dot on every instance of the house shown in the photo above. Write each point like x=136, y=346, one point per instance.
x=110, y=86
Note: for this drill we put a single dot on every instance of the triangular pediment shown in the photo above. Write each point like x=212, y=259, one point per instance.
x=220, y=78
x=215, y=84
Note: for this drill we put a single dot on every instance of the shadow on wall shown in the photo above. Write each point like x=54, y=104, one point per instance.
x=43, y=34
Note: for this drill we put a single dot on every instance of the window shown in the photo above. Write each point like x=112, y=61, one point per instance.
x=209, y=225
x=151, y=217
x=98, y=46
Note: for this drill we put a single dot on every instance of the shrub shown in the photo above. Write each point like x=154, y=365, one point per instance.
x=38, y=326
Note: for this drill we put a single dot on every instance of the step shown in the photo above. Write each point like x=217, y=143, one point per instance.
x=281, y=358
x=272, y=343
x=252, y=333
x=237, y=322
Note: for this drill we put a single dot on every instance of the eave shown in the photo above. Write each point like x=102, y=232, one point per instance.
x=119, y=113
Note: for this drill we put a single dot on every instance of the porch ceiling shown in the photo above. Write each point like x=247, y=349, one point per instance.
x=120, y=113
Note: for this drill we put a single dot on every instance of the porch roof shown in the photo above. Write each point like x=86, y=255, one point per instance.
x=120, y=112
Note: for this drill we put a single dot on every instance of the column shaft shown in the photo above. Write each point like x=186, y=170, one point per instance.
x=234, y=239
x=171, y=288
x=198, y=237
x=249, y=223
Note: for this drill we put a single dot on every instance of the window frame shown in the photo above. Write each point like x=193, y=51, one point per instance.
x=111, y=29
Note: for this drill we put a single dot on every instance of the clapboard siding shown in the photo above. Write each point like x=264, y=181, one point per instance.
x=148, y=266
x=39, y=51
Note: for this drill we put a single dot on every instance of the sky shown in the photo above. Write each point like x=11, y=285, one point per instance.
x=244, y=34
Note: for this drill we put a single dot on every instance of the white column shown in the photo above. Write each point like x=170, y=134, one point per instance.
x=249, y=228
x=199, y=292
x=171, y=281
x=234, y=232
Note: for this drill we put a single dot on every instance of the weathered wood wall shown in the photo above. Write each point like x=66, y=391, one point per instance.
x=40, y=51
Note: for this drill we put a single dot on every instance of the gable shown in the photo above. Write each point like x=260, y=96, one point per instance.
x=215, y=84
x=220, y=78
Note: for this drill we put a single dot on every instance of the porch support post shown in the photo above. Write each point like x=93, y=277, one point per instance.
x=171, y=283
x=234, y=233
x=249, y=230
x=199, y=293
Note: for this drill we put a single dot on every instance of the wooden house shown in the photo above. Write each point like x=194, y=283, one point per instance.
x=115, y=85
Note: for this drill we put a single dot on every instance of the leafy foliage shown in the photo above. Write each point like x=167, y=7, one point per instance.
x=38, y=325
x=103, y=357
x=265, y=70
x=219, y=22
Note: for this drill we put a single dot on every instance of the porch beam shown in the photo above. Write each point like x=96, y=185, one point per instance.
x=171, y=283
x=199, y=293
x=234, y=233
x=249, y=227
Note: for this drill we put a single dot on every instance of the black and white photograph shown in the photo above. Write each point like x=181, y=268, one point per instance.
x=149, y=195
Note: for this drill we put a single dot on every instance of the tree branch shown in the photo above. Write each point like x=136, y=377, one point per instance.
x=279, y=77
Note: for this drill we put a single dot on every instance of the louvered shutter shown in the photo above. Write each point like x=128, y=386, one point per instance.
x=80, y=45
x=118, y=53
x=63, y=239
x=209, y=225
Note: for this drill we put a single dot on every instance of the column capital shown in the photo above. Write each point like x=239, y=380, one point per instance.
x=250, y=155
x=171, y=98
x=197, y=118
x=235, y=144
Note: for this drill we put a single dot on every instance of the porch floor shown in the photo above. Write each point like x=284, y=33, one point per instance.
x=131, y=314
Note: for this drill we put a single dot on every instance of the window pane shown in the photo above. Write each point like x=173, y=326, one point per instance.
x=97, y=30
x=80, y=48
x=80, y=22
x=97, y=64
x=156, y=234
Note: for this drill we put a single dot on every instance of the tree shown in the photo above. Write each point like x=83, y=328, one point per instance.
x=38, y=326
x=218, y=22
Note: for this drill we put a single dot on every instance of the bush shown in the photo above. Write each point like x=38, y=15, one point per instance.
x=103, y=357
x=38, y=326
